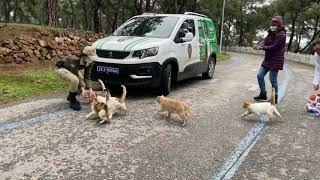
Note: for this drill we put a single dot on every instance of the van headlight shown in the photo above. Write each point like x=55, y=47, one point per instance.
x=145, y=52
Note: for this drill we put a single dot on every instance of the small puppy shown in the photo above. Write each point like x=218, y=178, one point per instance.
x=174, y=106
x=99, y=108
x=268, y=108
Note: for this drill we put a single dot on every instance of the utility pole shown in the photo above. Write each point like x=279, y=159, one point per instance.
x=222, y=20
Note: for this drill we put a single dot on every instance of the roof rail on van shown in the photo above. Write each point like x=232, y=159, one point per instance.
x=196, y=14
x=146, y=13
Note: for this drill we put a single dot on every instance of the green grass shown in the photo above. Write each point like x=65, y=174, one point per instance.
x=30, y=83
x=223, y=56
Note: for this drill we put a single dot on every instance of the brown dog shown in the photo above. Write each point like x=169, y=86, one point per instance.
x=175, y=106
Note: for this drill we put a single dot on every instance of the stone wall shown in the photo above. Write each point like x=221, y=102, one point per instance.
x=40, y=46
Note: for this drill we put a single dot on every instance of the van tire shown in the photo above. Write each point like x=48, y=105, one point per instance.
x=166, y=80
x=211, y=69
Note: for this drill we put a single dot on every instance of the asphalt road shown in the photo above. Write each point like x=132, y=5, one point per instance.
x=43, y=139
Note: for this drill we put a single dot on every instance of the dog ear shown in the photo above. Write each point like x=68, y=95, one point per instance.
x=246, y=104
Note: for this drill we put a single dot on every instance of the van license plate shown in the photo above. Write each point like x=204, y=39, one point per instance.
x=108, y=70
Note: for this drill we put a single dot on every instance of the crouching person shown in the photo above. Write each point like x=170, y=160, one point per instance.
x=69, y=69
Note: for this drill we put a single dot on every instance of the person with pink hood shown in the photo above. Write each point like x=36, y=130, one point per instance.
x=274, y=47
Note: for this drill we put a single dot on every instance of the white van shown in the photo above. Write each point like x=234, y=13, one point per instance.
x=155, y=50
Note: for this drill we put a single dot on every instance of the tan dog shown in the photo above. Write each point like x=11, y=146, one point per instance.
x=268, y=108
x=99, y=108
x=115, y=105
x=174, y=106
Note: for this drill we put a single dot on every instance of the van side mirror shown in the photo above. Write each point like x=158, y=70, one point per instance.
x=188, y=37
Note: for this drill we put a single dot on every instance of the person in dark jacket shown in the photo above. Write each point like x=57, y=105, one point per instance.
x=69, y=69
x=274, y=47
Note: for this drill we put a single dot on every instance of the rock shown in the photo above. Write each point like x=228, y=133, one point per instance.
x=30, y=52
x=58, y=40
x=77, y=53
x=10, y=46
x=15, y=48
x=42, y=43
x=4, y=50
x=1, y=59
x=59, y=54
x=48, y=57
x=36, y=52
x=18, y=60
x=8, y=59
x=23, y=42
x=7, y=41
x=67, y=53
x=32, y=47
x=82, y=40
x=72, y=48
x=52, y=44
x=44, y=51
x=71, y=36
x=16, y=56
x=53, y=53
x=42, y=58
x=37, y=46
x=76, y=38
x=34, y=59
x=30, y=41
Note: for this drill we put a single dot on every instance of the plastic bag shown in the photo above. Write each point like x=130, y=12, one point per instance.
x=313, y=103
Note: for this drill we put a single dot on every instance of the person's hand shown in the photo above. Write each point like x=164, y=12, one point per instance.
x=316, y=87
x=84, y=92
x=256, y=47
x=91, y=93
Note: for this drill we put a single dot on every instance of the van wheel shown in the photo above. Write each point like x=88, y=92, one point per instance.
x=166, y=79
x=211, y=69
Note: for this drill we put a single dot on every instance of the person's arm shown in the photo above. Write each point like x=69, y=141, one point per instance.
x=87, y=74
x=316, y=78
x=277, y=44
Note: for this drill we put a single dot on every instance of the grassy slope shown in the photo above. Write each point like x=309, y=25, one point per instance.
x=15, y=87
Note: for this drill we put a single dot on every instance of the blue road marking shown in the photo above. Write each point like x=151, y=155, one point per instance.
x=9, y=126
x=243, y=148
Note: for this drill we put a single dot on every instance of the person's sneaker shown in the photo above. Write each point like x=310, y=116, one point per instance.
x=74, y=103
x=262, y=97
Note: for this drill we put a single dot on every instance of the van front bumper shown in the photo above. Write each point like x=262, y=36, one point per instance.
x=145, y=74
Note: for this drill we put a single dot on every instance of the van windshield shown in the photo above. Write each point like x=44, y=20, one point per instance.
x=150, y=26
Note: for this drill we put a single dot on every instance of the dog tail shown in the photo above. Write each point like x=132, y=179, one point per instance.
x=188, y=110
x=124, y=94
x=105, y=90
x=102, y=85
x=273, y=97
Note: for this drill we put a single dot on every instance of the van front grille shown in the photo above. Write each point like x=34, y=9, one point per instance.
x=112, y=54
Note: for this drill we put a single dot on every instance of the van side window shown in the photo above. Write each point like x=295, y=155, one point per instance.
x=203, y=29
x=187, y=26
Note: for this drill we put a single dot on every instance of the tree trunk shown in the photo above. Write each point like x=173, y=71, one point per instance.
x=293, y=28
x=175, y=6
x=241, y=35
x=72, y=13
x=147, y=9
x=15, y=10
x=114, y=23
x=7, y=10
x=96, y=20
x=84, y=8
x=315, y=35
x=52, y=12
